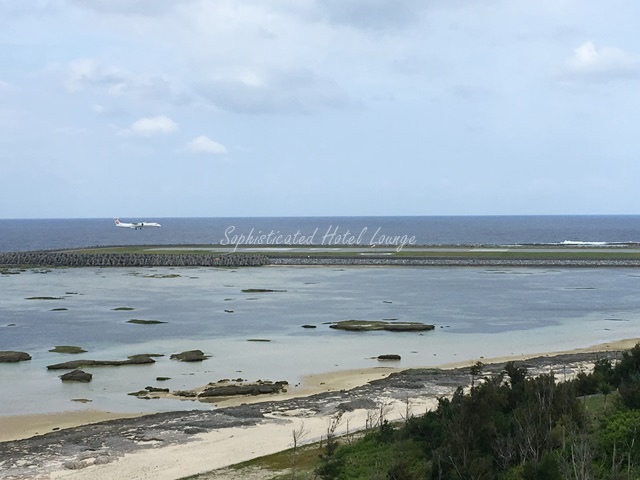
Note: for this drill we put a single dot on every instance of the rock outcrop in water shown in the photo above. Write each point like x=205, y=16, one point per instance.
x=12, y=357
x=260, y=388
x=190, y=356
x=389, y=356
x=76, y=376
x=375, y=325
x=73, y=364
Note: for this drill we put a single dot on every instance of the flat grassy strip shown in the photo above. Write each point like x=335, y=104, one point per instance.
x=526, y=255
x=509, y=255
x=204, y=250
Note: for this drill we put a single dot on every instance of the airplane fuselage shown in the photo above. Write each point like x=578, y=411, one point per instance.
x=136, y=225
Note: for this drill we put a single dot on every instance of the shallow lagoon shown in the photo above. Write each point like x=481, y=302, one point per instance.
x=478, y=312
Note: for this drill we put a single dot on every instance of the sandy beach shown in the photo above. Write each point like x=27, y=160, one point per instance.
x=231, y=446
x=221, y=447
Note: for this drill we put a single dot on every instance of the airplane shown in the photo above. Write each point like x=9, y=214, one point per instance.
x=136, y=225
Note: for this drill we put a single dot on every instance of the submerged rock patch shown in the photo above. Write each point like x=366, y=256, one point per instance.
x=138, y=321
x=261, y=290
x=74, y=364
x=376, y=325
x=67, y=349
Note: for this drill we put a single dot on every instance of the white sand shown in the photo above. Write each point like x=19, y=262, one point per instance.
x=229, y=446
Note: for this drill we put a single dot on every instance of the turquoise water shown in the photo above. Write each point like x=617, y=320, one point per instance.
x=478, y=312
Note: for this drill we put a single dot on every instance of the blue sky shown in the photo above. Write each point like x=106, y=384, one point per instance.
x=318, y=107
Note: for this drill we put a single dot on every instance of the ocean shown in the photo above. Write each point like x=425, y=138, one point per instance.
x=46, y=234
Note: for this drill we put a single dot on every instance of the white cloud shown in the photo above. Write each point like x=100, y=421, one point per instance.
x=110, y=110
x=204, y=144
x=130, y=7
x=149, y=126
x=294, y=91
x=372, y=14
x=154, y=87
x=590, y=62
x=88, y=72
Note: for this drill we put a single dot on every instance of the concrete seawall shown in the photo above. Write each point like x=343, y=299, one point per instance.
x=73, y=259
x=78, y=259
x=452, y=262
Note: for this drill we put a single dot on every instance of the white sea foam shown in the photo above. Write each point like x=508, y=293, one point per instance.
x=582, y=243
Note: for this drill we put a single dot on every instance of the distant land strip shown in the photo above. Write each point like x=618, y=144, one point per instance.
x=95, y=258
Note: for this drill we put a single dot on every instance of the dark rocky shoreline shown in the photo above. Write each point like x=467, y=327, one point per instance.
x=105, y=442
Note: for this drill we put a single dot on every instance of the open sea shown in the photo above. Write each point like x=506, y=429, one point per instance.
x=479, y=312
x=45, y=234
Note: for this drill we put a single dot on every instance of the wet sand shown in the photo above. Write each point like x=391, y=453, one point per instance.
x=18, y=427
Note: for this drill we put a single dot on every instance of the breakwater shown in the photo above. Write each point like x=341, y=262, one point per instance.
x=95, y=259
x=452, y=262
x=80, y=259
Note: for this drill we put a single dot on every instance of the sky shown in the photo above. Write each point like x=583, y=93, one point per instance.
x=223, y=108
